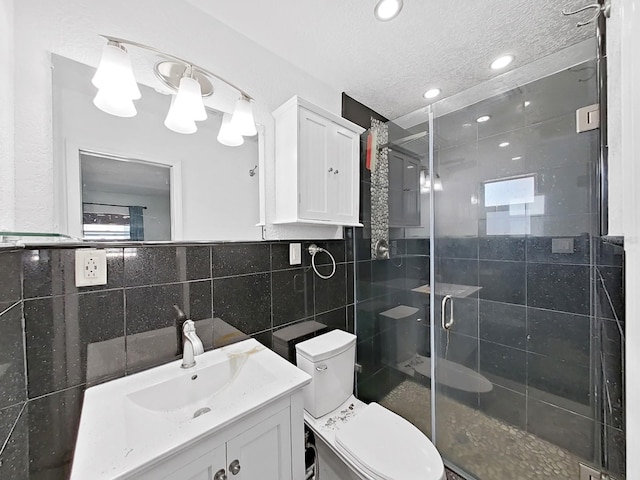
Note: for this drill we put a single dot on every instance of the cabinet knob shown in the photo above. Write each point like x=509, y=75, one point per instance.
x=234, y=467
x=336, y=172
x=220, y=475
x=330, y=169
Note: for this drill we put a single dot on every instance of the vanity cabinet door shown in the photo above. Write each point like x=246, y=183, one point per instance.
x=263, y=452
x=316, y=165
x=202, y=468
x=344, y=180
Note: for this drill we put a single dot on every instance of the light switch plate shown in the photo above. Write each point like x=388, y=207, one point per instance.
x=295, y=253
x=91, y=267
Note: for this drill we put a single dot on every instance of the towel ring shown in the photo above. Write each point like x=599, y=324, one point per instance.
x=313, y=250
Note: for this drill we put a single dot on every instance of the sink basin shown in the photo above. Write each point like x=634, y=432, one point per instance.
x=190, y=387
x=128, y=423
x=186, y=394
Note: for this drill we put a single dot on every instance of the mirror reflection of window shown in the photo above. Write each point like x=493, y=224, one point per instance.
x=510, y=204
x=124, y=199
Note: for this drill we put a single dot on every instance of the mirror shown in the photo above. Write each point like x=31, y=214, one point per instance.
x=125, y=199
x=132, y=179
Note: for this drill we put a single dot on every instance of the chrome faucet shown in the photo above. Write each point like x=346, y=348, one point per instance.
x=192, y=345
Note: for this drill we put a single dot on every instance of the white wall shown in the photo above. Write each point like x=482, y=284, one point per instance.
x=71, y=29
x=629, y=32
x=7, y=187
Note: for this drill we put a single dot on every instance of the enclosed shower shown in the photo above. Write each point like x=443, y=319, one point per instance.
x=488, y=301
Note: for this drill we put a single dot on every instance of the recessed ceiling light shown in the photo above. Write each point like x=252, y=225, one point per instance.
x=504, y=144
x=484, y=118
x=432, y=93
x=466, y=125
x=386, y=10
x=527, y=103
x=516, y=158
x=501, y=62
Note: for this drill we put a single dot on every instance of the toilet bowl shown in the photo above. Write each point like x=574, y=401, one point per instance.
x=355, y=440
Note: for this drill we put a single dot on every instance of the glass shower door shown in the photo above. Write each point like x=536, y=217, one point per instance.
x=513, y=198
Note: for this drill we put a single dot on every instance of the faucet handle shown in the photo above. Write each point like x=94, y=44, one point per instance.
x=189, y=331
x=188, y=327
x=180, y=313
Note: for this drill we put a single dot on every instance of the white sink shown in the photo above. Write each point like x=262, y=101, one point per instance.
x=129, y=422
x=184, y=390
x=185, y=394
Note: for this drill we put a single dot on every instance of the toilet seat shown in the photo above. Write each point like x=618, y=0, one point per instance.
x=387, y=447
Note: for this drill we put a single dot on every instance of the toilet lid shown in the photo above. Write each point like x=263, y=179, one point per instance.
x=387, y=447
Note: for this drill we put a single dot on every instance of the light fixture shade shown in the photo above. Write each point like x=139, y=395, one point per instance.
x=177, y=119
x=425, y=182
x=228, y=135
x=189, y=99
x=115, y=74
x=110, y=102
x=437, y=184
x=242, y=120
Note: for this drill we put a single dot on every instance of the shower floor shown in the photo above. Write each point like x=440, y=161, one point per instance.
x=484, y=446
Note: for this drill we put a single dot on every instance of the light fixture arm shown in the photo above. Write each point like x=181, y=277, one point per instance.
x=122, y=41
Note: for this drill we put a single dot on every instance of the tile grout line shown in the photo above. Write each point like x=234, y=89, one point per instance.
x=12, y=429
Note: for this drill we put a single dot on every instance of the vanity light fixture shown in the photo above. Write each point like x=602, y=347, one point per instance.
x=117, y=88
x=386, y=10
x=432, y=93
x=242, y=119
x=187, y=106
x=116, y=84
x=228, y=135
x=502, y=62
x=483, y=118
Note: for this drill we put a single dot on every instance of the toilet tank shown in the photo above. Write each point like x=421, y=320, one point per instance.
x=329, y=359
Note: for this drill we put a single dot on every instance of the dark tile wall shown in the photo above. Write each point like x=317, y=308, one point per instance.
x=609, y=338
x=56, y=339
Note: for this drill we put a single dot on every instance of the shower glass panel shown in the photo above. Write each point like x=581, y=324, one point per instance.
x=527, y=382
x=517, y=393
x=392, y=292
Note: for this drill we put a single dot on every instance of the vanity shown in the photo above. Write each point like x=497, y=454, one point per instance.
x=237, y=414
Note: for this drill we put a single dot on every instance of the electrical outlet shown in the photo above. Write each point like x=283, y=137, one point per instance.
x=91, y=267
x=295, y=254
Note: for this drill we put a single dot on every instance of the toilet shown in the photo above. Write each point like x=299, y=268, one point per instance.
x=356, y=441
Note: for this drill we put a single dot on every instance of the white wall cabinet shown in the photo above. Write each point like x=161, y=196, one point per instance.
x=267, y=445
x=316, y=166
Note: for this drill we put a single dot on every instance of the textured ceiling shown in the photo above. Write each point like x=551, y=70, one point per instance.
x=432, y=43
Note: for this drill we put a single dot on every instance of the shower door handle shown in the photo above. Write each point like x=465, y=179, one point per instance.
x=447, y=324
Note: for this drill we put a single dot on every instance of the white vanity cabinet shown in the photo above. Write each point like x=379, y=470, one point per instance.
x=237, y=414
x=317, y=167
x=259, y=447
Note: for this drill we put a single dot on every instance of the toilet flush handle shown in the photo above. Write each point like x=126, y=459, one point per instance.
x=321, y=368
